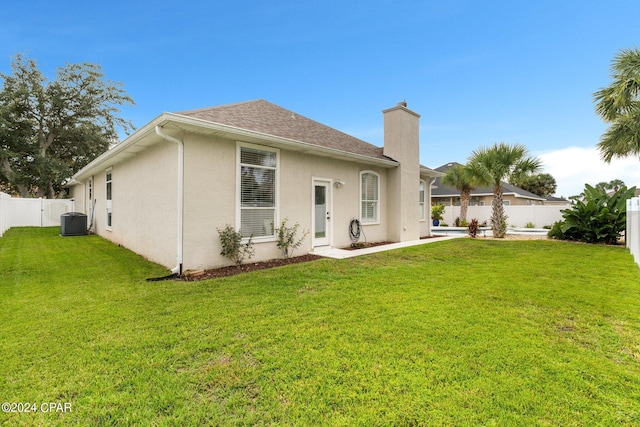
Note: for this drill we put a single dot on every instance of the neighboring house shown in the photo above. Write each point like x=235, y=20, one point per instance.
x=165, y=190
x=556, y=201
x=483, y=196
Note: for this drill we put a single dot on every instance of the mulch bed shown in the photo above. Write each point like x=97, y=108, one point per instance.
x=253, y=266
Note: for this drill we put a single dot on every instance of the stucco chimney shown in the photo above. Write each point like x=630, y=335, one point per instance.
x=402, y=143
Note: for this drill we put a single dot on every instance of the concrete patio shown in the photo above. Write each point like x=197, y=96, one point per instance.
x=336, y=253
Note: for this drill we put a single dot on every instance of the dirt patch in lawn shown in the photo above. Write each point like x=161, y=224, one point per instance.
x=250, y=266
x=517, y=237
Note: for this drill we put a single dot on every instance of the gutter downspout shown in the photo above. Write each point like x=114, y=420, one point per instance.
x=179, y=244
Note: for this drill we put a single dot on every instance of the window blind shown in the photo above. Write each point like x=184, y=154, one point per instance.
x=257, y=192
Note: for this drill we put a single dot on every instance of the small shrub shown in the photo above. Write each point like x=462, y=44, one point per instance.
x=472, y=228
x=555, y=232
x=461, y=222
x=530, y=225
x=232, y=246
x=287, y=239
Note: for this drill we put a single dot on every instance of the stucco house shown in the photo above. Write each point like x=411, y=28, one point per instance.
x=165, y=190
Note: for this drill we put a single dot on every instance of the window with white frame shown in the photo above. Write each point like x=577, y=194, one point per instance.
x=257, y=180
x=108, y=179
x=423, y=190
x=369, y=197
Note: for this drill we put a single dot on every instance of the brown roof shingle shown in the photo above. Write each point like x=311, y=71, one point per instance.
x=264, y=117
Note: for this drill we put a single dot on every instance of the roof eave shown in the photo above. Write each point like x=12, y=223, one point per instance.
x=125, y=149
x=430, y=173
x=523, y=196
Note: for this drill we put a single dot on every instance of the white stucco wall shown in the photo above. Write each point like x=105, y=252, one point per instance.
x=401, y=143
x=210, y=187
x=210, y=199
x=143, y=203
x=144, y=190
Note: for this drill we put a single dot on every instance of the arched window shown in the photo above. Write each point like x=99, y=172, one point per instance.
x=369, y=197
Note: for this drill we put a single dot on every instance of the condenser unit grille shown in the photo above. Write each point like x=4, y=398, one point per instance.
x=73, y=224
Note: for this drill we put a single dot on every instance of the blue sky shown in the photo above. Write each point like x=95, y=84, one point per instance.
x=477, y=72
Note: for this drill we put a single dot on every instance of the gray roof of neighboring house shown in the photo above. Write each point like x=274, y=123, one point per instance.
x=442, y=190
x=265, y=117
x=556, y=199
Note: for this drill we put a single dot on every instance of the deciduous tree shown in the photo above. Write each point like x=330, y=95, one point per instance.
x=541, y=184
x=50, y=130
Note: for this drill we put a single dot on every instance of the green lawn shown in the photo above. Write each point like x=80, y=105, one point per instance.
x=460, y=332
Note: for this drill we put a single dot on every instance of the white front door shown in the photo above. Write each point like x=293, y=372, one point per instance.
x=321, y=213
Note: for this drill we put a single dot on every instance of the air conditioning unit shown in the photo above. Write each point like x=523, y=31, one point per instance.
x=73, y=224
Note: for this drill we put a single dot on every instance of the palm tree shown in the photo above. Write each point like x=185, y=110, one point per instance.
x=461, y=178
x=493, y=165
x=619, y=104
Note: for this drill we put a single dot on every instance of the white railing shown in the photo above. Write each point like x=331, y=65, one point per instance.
x=517, y=215
x=21, y=212
x=632, y=234
x=4, y=213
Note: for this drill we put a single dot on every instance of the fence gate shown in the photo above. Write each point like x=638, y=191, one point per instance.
x=22, y=212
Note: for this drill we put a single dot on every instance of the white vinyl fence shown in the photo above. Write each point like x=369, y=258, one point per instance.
x=632, y=235
x=5, y=224
x=19, y=212
x=517, y=216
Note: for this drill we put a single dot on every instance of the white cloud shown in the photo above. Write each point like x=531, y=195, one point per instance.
x=572, y=167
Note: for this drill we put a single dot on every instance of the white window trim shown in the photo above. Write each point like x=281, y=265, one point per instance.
x=90, y=194
x=423, y=218
x=329, y=181
x=108, y=202
x=377, y=221
x=239, y=146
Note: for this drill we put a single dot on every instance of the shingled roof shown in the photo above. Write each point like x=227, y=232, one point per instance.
x=264, y=117
x=442, y=190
